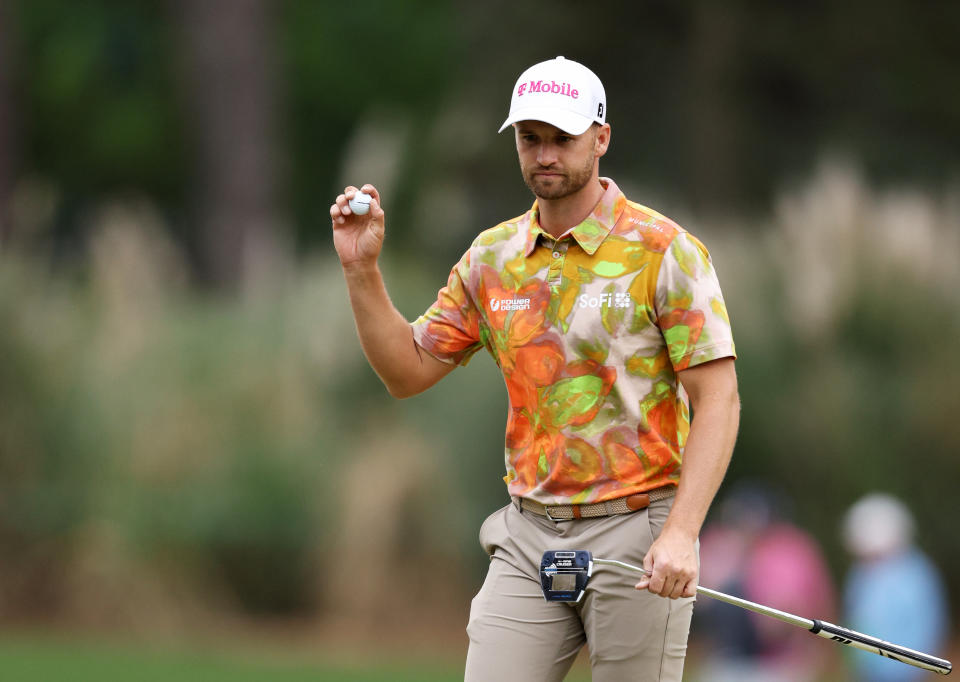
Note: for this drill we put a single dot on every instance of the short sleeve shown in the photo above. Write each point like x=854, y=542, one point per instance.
x=450, y=328
x=689, y=304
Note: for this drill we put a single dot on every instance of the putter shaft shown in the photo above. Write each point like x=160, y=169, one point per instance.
x=729, y=599
x=820, y=628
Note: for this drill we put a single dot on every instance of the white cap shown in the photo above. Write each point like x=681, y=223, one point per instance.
x=877, y=525
x=560, y=92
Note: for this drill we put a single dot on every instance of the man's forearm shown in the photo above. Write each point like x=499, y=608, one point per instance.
x=706, y=457
x=385, y=335
x=672, y=558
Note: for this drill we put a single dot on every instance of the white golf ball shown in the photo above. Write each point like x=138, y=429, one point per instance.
x=360, y=204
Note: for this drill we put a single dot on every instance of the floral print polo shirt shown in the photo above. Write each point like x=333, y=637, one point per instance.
x=589, y=331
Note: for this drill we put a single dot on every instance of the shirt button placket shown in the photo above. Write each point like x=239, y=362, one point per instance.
x=556, y=264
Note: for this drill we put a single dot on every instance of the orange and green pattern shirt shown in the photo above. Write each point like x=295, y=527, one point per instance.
x=589, y=331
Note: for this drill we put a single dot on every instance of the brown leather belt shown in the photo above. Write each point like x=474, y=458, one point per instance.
x=621, y=505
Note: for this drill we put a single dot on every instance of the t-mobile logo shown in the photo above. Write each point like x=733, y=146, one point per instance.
x=550, y=87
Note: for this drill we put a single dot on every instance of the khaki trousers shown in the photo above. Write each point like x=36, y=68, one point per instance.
x=515, y=635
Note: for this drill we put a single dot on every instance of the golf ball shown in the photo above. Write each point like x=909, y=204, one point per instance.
x=360, y=204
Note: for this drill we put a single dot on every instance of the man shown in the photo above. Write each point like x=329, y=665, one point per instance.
x=603, y=317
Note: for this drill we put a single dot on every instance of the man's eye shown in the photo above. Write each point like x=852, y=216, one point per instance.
x=564, y=139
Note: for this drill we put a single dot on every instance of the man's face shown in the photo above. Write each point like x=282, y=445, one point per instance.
x=554, y=163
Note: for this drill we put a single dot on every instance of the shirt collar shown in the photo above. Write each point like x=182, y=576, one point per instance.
x=591, y=232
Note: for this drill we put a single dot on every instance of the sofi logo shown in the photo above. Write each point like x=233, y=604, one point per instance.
x=509, y=304
x=553, y=87
x=617, y=299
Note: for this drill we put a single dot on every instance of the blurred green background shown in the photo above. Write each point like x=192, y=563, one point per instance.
x=194, y=454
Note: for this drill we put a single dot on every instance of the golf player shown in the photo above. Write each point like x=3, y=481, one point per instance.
x=609, y=326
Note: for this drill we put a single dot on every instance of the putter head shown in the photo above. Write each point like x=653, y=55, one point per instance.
x=564, y=574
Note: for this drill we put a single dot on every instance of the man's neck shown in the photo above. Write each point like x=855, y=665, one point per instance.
x=557, y=216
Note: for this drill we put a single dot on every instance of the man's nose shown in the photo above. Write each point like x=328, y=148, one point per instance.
x=546, y=154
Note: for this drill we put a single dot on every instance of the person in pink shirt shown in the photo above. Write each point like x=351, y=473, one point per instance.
x=753, y=551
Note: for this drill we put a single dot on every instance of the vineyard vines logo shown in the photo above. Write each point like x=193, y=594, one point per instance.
x=618, y=299
x=514, y=303
x=552, y=87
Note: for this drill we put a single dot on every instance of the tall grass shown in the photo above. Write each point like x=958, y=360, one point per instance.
x=169, y=457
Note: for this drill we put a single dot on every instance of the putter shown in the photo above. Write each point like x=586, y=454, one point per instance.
x=564, y=576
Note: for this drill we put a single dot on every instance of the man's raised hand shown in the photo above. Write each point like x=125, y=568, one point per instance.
x=357, y=238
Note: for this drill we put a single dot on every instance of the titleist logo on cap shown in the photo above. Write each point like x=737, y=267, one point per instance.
x=551, y=87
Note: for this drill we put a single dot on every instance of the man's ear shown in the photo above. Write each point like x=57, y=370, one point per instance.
x=603, y=139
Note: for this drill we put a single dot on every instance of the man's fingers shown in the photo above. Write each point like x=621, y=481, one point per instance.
x=340, y=209
x=375, y=211
x=372, y=191
x=349, y=192
x=671, y=567
x=671, y=589
x=336, y=210
x=663, y=586
x=657, y=583
x=668, y=582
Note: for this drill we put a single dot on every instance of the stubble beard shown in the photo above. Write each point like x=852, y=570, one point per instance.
x=569, y=182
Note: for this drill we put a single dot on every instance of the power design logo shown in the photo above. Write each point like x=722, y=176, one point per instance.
x=506, y=304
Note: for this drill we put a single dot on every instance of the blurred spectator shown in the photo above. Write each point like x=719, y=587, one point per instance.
x=893, y=590
x=754, y=552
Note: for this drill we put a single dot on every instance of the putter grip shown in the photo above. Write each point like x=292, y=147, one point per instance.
x=881, y=647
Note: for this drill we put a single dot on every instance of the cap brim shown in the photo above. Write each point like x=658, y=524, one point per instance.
x=567, y=121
